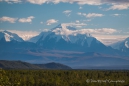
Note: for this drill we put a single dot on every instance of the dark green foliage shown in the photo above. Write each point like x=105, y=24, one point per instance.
x=62, y=77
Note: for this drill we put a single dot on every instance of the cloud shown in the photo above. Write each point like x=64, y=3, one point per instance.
x=51, y=21
x=12, y=1
x=37, y=1
x=67, y=12
x=94, y=15
x=81, y=2
x=109, y=39
x=99, y=31
x=91, y=2
x=119, y=7
x=77, y=21
x=66, y=31
x=8, y=19
x=80, y=7
x=90, y=15
x=116, y=14
x=115, y=4
x=115, y=1
x=77, y=24
x=41, y=22
x=79, y=13
x=26, y=20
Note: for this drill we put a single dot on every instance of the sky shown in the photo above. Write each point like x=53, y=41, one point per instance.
x=107, y=20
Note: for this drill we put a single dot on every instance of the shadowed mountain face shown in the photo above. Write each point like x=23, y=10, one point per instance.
x=62, y=44
x=4, y=64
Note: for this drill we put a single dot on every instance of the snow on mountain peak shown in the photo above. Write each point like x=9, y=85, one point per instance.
x=67, y=33
x=8, y=36
x=65, y=26
x=66, y=29
x=121, y=44
x=127, y=44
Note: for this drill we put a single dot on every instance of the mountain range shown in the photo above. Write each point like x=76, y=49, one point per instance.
x=66, y=45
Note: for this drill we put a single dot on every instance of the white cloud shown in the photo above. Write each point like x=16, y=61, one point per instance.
x=37, y=1
x=119, y=7
x=41, y=22
x=99, y=31
x=79, y=13
x=77, y=21
x=116, y=14
x=8, y=19
x=90, y=15
x=109, y=39
x=67, y=12
x=28, y=19
x=90, y=2
x=12, y=1
x=80, y=7
x=76, y=24
x=66, y=31
x=115, y=4
x=51, y=21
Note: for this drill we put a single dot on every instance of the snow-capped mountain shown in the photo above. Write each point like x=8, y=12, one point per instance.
x=68, y=38
x=8, y=36
x=122, y=45
x=46, y=32
x=36, y=38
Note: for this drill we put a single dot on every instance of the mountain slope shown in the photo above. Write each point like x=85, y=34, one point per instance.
x=16, y=65
x=8, y=36
x=4, y=64
x=53, y=65
x=122, y=45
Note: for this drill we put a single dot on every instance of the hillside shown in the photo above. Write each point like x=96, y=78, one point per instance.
x=4, y=64
x=53, y=65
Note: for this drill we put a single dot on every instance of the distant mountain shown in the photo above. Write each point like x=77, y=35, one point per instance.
x=64, y=37
x=4, y=64
x=36, y=38
x=47, y=32
x=122, y=45
x=8, y=36
x=53, y=65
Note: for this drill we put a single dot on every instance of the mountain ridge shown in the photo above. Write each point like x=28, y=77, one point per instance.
x=5, y=64
x=121, y=45
x=8, y=36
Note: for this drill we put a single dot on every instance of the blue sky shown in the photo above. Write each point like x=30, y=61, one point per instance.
x=107, y=20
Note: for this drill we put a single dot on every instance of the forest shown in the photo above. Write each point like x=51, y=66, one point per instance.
x=64, y=77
